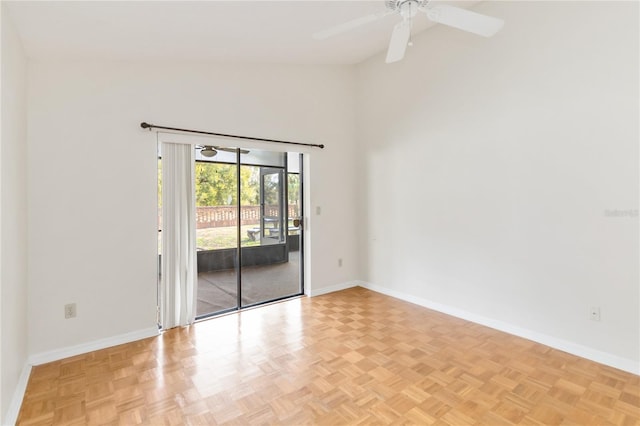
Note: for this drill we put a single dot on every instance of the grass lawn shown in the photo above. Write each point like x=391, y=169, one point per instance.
x=219, y=238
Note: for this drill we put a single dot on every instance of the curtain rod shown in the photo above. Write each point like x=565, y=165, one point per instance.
x=153, y=126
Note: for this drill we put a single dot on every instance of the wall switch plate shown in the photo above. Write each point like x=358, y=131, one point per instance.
x=70, y=310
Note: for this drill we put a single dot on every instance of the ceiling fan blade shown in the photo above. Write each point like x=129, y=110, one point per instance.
x=242, y=151
x=346, y=26
x=399, y=40
x=465, y=20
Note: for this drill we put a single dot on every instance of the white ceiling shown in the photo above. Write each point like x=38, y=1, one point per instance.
x=230, y=31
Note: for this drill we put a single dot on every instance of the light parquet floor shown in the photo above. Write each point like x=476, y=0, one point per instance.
x=353, y=357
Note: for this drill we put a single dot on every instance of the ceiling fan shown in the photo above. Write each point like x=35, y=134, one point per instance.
x=456, y=17
x=211, y=151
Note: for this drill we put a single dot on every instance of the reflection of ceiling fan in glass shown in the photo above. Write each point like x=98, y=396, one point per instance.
x=211, y=151
x=456, y=17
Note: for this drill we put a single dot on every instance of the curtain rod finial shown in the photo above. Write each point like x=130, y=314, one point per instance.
x=145, y=125
x=321, y=146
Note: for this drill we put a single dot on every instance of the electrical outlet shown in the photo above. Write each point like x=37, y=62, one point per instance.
x=594, y=313
x=70, y=310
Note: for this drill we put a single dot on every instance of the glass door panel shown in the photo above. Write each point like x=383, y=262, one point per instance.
x=217, y=219
x=269, y=269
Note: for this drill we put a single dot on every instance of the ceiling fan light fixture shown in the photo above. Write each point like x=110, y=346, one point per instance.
x=208, y=151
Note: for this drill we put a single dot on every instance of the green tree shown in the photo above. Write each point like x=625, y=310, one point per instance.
x=216, y=184
x=294, y=188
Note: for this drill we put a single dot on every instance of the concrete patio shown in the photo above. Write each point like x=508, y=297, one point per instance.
x=217, y=291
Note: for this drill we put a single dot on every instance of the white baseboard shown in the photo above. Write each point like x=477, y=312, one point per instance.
x=95, y=345
x=332, y=288
x=605, y=358
x=11, y=417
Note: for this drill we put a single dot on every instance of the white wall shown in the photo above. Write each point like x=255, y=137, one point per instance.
x=92, y=177
x=488, y=166
x=13, y=223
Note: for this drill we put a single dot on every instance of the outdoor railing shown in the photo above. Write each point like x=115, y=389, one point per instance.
x=220, y=216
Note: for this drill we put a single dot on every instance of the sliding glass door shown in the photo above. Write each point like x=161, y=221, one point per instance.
x=247, y=227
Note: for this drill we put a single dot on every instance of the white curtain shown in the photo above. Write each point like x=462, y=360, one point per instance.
x=179, y=281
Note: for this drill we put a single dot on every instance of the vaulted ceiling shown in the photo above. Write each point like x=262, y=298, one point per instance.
x=234, y=31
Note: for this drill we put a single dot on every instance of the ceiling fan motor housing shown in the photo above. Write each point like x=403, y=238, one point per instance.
x=411, y=6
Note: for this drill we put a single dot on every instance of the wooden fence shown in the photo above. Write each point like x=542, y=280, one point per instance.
x=220, y=216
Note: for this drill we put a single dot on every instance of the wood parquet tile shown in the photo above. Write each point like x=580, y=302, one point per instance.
x=351, y=357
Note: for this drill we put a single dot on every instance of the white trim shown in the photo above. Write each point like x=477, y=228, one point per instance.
x=95, y=345
x=332, y=288
x=605, y=358
x=11, y=417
